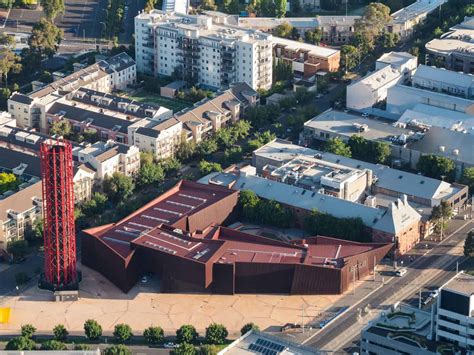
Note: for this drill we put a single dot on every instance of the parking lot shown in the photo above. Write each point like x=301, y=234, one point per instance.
x=82, y=19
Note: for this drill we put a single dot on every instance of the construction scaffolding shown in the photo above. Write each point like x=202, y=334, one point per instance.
x=58, y=214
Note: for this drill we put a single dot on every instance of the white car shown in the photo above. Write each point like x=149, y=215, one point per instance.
x=434, y=294
x=401, y=272
x=169, y=345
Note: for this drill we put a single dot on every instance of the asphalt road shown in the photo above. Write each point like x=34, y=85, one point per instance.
x=7, y=286
x=438, y=259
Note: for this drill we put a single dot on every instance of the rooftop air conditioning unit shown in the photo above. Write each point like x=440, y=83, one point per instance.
x=456, y=152
x=442, y=148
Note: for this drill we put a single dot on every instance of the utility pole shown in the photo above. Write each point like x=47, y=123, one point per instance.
x=419, y=299
x=302, y=317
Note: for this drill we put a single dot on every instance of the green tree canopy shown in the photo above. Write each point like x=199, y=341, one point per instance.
x=207, y=147
x=208, y=5
x=150, y=171
x=9, y=63
x=206, y=167
x=8, y=181
x=209, y=349
x=216, y=334
x=118, y=187
x=119, y=349
x=28, y=330
x=21, y=343
x=60, y=332
x=337, y=146
x=184, y=349
x=363, y=149
x=45, y=39
x=371, y=26
x=467, y=178
x=17, y=248
x=248, y=327
x=436, y=167
x=154, y=335
x=440, y=216
x=284, y=30
x=54, y=345
x=94, y=206
x=280, y=8
x=60, y=128
x=52, y=8
x=186, y=334
x=319, y=223
x=122, y=332
x=92, y=329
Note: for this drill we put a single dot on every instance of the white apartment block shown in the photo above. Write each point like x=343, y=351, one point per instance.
x=18, y=212
x=455, y=312
x=391, y=68
x=107, y=158
x=210, y=54
x=105, y=76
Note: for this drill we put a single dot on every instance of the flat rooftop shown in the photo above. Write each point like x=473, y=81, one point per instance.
x=462, y=283
x=347, y=124
x=319, y=51
x=418, y=8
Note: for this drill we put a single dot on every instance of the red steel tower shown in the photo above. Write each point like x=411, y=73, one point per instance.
x=58, y=212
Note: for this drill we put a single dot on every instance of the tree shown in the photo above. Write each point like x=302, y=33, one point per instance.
x=208, y=5
x=17, y=248
x=154, y=335
x=206, y=167
x=216, y=334
x=60, y=332
x=45, y=39
x=21, y=343
x=313, y=37
x=363, y=149
x=248, y=327
x=82, y=347
x=28, y=330
x=438, y=32
x=318, y=223
x=209, y=349
x=96, y=205
x=8, y=181
x=390, y=39
x=150, y=5
x=185, y=149
x=232, y=6
x=92, y=329
x=122, y=332
x=467, y=178
x=436, y=167
x=232, y=155
x=150, y=173
x=440, y=215
x=54, y=345
x=295, y=7
x=284, y=30
x=207, y=147
x=261, y=139
x=118, y=187
x=60, y=128
x=381, y=152
x=52, y=8
x=349, y=57
x=117, y=350
x=21, y=278
x=282, y=70
x=186, y=334
x=9, y=62
x=371, y=26
x=184, y=349
x=225, y=138
x=241, y=129
x=280, y=8
x=337, y=146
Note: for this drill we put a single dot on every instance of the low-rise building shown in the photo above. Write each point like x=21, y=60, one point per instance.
x=114, y=73
x=108, y=158
x=391, y=69
x=455, y=49
x=404, y=20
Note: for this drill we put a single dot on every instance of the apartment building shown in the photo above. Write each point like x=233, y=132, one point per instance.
x=19, y=211
x=208, y=116
x=455, y=49
x=107, y=158
x=114, y=73
x=209, y=54
x=161, y=140
x=390, y=69
x=209, y=51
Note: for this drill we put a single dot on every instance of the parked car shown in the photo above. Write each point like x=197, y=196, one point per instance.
x=401, y=272
x=434, y=294
x=144, y=279
x=169, y=345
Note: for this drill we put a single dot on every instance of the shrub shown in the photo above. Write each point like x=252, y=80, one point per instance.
x=184, y=349
x=27, y=330
x=117, y=350
x=92, y=329
x=154, y=335
x=60, y=332
x=216, y=334
x=53, y=345
x=248, y=327
x=20, y=343
x=186, y=334
x=122, y=332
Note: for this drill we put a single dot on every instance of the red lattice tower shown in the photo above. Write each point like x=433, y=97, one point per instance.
x=58, y=213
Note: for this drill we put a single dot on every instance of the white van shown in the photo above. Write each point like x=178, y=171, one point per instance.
x=401, y=272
